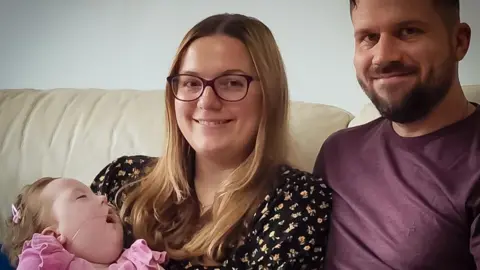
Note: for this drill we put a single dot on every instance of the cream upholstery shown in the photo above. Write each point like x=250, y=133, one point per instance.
x=369, y=112
x=76, y=132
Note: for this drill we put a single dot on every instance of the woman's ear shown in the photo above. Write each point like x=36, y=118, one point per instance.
x=55, y=233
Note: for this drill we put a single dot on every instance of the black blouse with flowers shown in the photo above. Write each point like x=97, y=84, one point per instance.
x=289, y=229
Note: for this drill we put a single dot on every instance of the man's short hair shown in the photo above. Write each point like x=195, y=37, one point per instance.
x=448, y=9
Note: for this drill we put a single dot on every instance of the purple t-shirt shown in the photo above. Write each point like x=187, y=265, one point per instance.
x=404, y=203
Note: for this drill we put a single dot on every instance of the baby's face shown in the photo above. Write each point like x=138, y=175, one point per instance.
x=92, y=229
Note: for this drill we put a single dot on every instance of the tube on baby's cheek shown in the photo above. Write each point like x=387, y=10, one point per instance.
x=96, y=240
x=82, y=225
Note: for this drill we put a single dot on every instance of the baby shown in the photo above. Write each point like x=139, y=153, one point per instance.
x=60, y=223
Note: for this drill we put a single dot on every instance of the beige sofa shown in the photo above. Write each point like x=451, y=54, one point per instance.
x=76, y=132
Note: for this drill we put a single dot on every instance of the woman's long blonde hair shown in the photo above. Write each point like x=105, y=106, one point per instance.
x=164, y=208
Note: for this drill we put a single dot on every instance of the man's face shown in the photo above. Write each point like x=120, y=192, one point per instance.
x=405, y=56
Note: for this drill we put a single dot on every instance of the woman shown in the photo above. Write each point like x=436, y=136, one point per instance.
x=223, y=195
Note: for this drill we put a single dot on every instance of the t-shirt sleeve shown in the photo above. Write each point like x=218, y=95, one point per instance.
x=320, y=167
x=474, y=207
x=329, y=155
x=475, y=241
x=120, y=172
x=291, y=230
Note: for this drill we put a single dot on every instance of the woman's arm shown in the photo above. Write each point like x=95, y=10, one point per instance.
x=122, y=171
x=116, y=180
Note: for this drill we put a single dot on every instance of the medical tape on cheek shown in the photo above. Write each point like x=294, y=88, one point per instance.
x=83, y=223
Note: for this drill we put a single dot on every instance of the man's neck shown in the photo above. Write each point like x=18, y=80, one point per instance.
x=452, y=109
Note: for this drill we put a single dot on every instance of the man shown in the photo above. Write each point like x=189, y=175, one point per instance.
x=407, y=189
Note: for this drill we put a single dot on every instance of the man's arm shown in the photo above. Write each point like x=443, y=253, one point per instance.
x=319, y=166
x=475, y=232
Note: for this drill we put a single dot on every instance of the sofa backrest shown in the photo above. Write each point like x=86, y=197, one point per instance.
x=76, y=132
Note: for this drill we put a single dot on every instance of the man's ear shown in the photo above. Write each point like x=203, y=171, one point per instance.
x=463, y=37
x=55, y=233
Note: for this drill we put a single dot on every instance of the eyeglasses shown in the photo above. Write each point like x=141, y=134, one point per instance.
x=229, y=87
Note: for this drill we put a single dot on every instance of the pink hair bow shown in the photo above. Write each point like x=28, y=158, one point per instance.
x=15, y=214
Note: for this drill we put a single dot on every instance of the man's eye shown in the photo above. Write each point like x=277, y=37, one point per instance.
x=369, y=38
x=409, y=31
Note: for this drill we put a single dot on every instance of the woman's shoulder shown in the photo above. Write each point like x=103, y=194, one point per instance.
x=123, y=171
x=289, y=229
x=301, y=194
x=299, y=197
x=298, y=189
x=302, y=182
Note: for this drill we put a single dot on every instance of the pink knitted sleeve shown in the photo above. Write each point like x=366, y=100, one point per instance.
x=139, y=257
x=44, y=252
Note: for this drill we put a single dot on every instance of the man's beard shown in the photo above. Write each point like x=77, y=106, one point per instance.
x=420, y=100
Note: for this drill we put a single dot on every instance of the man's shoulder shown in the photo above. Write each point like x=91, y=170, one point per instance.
x=347, y=143
x=355, y=134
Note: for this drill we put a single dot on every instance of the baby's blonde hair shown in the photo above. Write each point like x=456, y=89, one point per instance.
x=31, y=219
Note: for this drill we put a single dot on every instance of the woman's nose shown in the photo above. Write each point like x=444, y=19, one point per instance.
x=209, y=100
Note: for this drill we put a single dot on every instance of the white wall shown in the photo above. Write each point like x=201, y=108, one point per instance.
x=130, y=44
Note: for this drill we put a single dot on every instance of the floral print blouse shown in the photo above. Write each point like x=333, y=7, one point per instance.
x=289, y=229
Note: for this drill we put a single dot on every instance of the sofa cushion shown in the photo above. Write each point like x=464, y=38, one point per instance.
x=369, y=112
x=310, y=125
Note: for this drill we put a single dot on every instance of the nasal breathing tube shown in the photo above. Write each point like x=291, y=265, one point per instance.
x=84, y=222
